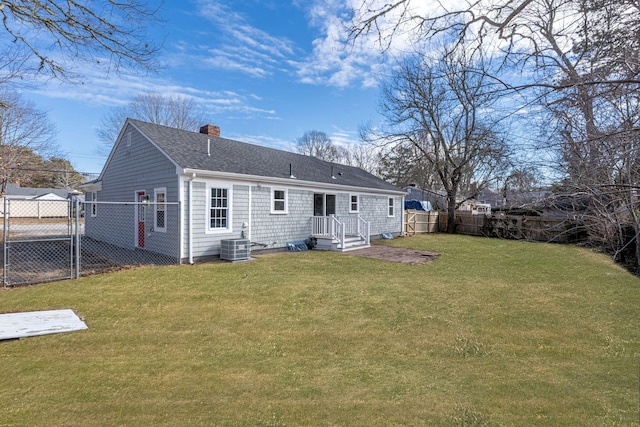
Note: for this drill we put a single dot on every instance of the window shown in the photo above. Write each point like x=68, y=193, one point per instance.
x=161, y=209
x=354, y=202
x=391, y=206
x=279, y=201
x=94, y=206
x=219, y=209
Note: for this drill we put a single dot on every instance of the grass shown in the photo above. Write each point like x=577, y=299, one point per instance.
x=493, y=333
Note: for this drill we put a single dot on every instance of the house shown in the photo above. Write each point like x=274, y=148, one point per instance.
x=475, y=208
x=419, y=199
x=228, y=189
x=14, y=191
x=29, y=202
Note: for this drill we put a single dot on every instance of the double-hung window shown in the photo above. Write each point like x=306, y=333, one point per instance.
x=354, y=203
x=219, y=215
x=391, y=207
x=279, y=201
x=160, y=209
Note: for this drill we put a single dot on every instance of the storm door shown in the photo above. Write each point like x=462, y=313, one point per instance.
x=140, y=213
x=324, y=204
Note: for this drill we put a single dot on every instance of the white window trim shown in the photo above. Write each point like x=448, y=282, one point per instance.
x=156, y=191
x=94, y=205
x=357, y=196
x=229, y=227
x=286, y=201
x=391, y=207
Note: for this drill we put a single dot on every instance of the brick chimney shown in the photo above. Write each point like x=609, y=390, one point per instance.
x=210, y=130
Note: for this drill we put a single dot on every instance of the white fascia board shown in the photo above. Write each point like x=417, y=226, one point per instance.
x=288, y=182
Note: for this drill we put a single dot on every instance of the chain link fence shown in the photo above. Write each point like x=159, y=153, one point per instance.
x=45, y=240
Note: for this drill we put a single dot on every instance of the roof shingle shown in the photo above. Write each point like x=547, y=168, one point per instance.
x=189, y=151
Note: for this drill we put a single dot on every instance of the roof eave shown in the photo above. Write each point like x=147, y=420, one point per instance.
x=193, y=173
x=91, y=186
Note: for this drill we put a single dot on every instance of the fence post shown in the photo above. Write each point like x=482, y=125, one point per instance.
x=4, y=243
x=76, y=210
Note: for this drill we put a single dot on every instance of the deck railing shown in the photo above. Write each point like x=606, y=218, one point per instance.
x=356, y=226
x=338, y=227
x=327, y=226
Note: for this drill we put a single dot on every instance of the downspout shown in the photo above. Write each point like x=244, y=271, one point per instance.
x=402, y=222
x=249, y=228
x=190, y=223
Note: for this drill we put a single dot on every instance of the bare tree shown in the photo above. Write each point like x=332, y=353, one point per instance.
x=443, y=109
x=608, y=180
x=574, y=50
x=362, y=155
x=403, y=165
x=25, y=134
x=537, y=32
x=49, y=37
x=316, y=143
x=582, y=60
x=175, y=111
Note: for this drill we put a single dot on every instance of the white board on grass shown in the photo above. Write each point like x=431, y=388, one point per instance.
x=33, y=323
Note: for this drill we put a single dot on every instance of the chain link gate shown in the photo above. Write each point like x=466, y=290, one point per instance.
x=48, y=240
x=40, y=240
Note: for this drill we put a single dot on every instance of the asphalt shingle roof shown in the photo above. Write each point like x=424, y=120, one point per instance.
x=189, y=151
x=15, y=190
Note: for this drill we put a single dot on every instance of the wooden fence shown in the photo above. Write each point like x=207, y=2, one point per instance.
x=541, y=229
x=419, y=222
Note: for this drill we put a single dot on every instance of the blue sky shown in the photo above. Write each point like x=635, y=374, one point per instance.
x=264, y=71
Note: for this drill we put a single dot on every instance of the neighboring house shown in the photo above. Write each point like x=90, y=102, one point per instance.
x=29, y=202
x=492, y=197
x=231, y=190
x=14, y=191
x=437, y=200
x=430, y=200
x=476, y=208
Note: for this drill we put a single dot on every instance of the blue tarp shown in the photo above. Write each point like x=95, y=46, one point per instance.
x=297, y=246
x=417, y=205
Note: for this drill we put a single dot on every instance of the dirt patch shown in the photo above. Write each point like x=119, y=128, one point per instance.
x=393, y=254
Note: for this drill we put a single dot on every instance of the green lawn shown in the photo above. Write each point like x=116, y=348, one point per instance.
x=494, y=332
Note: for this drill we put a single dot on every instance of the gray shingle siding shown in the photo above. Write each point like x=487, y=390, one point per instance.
x=275, y=230
x=374, y=208
x=138, y=166
x=206, y=244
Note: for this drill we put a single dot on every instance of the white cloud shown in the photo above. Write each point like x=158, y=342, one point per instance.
x=344, y=138
x=97, y=90
x=339, y=60
x=241, y=47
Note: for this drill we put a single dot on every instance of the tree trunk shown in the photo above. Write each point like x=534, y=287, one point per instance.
x=637, y=266
x=451, y=213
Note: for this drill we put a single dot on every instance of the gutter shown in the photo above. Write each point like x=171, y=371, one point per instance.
x=290, y=181
x=250, y=212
